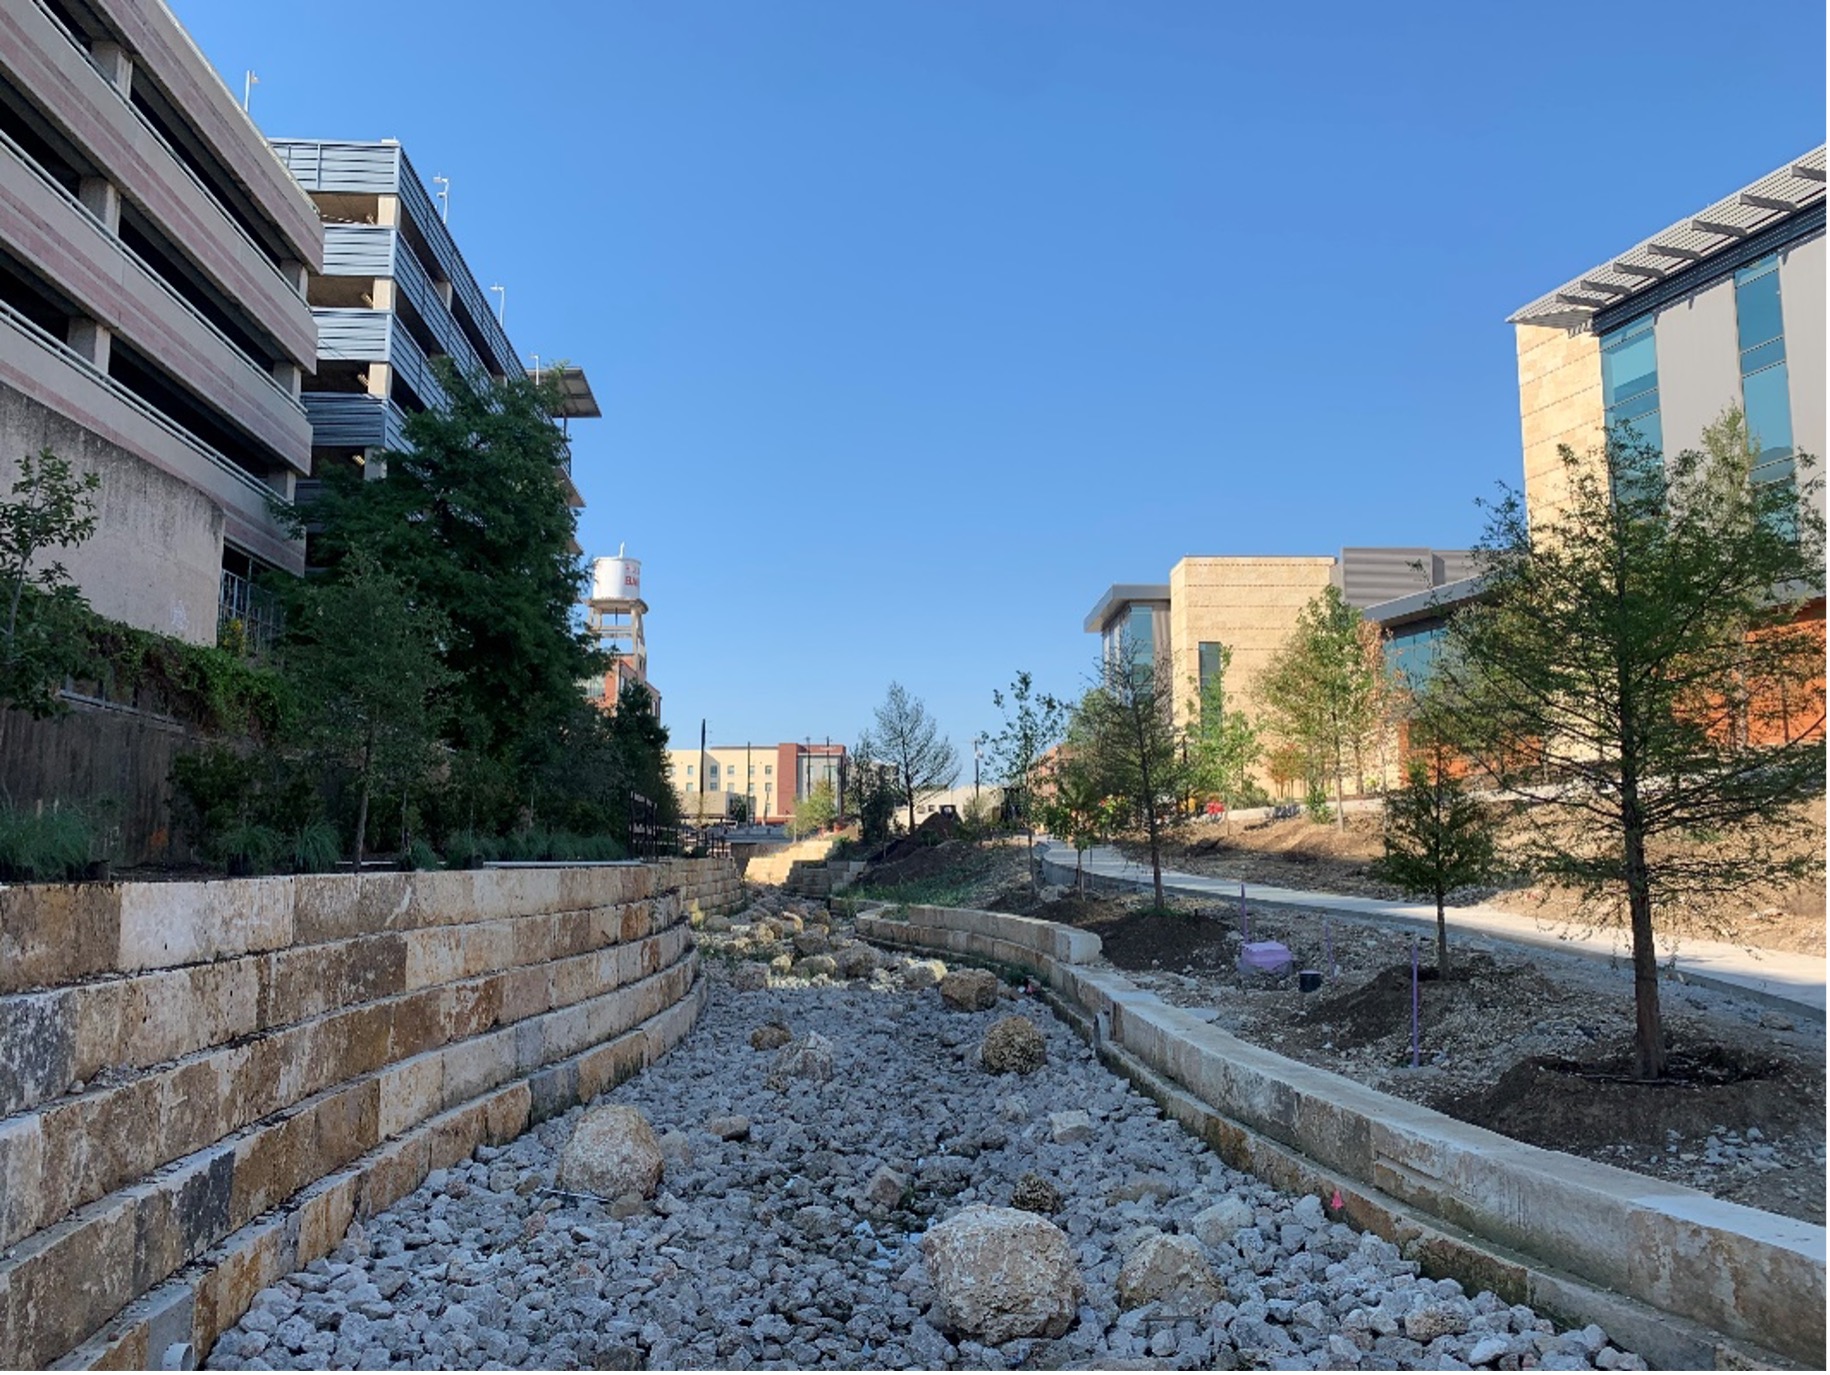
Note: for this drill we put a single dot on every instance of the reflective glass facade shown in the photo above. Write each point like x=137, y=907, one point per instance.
x=1766, y=394
x=1629, y=389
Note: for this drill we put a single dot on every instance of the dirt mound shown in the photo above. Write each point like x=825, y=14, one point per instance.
x=920, y=861
x=1577, y=1105
x=1381, y=1006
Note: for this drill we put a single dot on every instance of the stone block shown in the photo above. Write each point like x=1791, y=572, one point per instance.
x=66, y=1281
x=244, y=1264
x=164, y=925
x=53, y=933
x=637, y=922
x=435, y=955
x=417, y=1023
x=471, y=1008
x=576, y=979
x=532, y=940
x=451, y=1137
x=410, y=1092
x=576, y=932
x=506, y=1114
x=552, y=1091
x=96, y=1143
x=178, y=1215
x=194, y=1108
x=99, y=1025
x=21, y=1177
x=325, y=1211
x=396, y=1171
x=475, y=1066
x=488, y=947
x=525, y=993
x=37, y=1048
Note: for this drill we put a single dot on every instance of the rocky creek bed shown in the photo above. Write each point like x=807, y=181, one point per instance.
x=799, y=1183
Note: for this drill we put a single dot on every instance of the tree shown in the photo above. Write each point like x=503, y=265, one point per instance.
x=1222, y=744
x=1641, y=650
x=52, y=508
x=1438, y=836
x=870, y=787
x=1072, y=805
x=1322, y=689
x=364, y=660
x=1124, y=733
x=1034, y=723
x=815, y=812
x=472, y=519
x=921, y=760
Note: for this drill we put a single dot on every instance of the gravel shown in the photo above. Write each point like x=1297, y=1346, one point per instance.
x=795, y=1243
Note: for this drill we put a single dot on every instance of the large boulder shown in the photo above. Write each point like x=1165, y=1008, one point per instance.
x=770, y=1036
x=1034, y=1194
x=749, y=977
x=857, y=961
x=920, y=974
x=812, y=942
x=1172, y=1271
x=808, y=1058
x=1216, y=1225
x=970, y=990
x=613, y=1152
x=1013, y=1046
x=1000, y=1274
x=812, y=966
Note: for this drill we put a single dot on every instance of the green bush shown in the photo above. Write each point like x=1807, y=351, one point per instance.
x=467, y=849
x=1316, y=805
x=44, y=844
x=248, y=847
x=420, y=856
x=314, y=848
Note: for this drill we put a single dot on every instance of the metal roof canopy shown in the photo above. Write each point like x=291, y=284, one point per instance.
x=1118, y=595
x=575, y=399
x=1775, y=197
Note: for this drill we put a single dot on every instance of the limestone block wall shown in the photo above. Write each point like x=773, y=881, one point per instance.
x=773, y=866
x=1560, y=402
x=704, y=886
x=1248, y=604
x=203, y=1084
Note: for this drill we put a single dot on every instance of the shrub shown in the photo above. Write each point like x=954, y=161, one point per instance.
x=44, y=844
x=247, y=847
x=420, y=855
x=314, y=848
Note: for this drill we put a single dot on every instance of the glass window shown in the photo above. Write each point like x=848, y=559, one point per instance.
x=768, y=770
x=1209, y=656
x=1766, y=391
x=689, y=770
x=1629, y=390
x=1757, y=315
x=1140, y=636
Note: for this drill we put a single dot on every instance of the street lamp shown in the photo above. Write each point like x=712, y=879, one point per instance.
x=978, y=748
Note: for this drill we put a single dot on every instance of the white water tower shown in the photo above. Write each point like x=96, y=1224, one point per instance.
x=613, y=615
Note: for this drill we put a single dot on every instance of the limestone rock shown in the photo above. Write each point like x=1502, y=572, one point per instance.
x=613, y=1152
x=733, y=1128
x=1000, y=1274
x=1433, y=1318
x=676, y=1149
x=920, y=974
x=1013, y=1046
x=815, y=965
x=1068, y=1127
x=808, y=1058
x=1215, y=1226
x=883, y=1191
x=770, y=1036
x=857, y=961
x=1034, y=1194
x=811, y=943
x=781, y=964
x=970, y=990
x=750, y=977
x=1169, y=1270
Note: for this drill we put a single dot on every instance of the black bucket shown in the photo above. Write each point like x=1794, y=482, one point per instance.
x=1308, y=980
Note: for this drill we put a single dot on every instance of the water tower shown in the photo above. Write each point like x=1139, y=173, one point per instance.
x=613, y=615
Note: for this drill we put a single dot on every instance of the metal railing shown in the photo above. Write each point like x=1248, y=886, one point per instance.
x=248, y=618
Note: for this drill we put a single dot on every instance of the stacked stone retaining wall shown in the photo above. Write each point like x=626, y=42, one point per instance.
x=1687, y=1280
x=203, y=1084
x=704, y=886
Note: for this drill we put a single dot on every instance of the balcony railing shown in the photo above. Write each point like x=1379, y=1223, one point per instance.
x=248, y=619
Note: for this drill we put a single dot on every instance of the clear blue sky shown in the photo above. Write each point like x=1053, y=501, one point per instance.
x=916, y=323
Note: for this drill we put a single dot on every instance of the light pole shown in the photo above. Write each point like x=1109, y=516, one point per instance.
x=501, y=304
x=248, y=82
x=978, y=749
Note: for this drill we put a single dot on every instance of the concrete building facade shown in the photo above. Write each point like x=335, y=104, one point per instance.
x=153, y=322
x=772, y=777
x=1724, y=308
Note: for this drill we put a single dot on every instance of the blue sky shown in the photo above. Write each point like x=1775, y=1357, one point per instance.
x=916, y=323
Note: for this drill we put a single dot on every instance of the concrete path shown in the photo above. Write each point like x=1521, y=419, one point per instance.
x=1794, y=983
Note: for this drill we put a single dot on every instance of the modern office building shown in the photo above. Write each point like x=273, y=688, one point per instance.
x=394, y=294
x=772, y=777
x=1249, y=604
x=1724, y=308
x=153, y=322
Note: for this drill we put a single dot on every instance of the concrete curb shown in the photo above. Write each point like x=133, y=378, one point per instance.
x=1690, y=1281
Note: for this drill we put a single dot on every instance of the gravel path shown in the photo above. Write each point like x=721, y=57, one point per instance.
x=771, y=1251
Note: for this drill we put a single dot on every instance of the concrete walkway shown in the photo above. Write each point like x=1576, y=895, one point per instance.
x=1794, y=983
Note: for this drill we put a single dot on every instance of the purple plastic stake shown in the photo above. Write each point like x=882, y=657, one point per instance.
x=1328, y=948
x=1415, y=1017
x=1245, y=922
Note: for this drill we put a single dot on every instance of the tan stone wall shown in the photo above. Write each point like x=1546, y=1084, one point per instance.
x=1248, y=604
x=1560, y=402
x=202, y=1084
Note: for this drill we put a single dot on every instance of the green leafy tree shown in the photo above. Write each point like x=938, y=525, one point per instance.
x=1322, y=690
x=1072, y=805
x=364, y=658
x=816, y=811
x=870, y=788
x=1223, y=744
x=1124, y=735
x=921, y=760
x=1034, y=723
x=1640, y=668
x=474, y=522
x=52, y=508
x=1438, y=835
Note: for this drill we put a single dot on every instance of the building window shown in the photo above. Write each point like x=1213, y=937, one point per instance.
x=1629, y=391
x=768, y=770
x=1209, y=664
x=1766, y=393
x=1412, y=651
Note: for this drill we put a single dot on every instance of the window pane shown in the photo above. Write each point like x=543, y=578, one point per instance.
x=1643, y=404
x=1628, y=369
x=1767, y=398
x=1758, y=268
x=1757, y=311
x=1769, y=353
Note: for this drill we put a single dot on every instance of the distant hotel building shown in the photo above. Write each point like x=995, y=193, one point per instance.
x=153, y=321
x=771, y=777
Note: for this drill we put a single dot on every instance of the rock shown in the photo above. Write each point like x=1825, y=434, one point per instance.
x=1215, y=1226
x=770, y=1036
x=883, y=1192
x=1000, y=1274
x=1034, y=1194
x=676, y=1150
x=970, y=990
x=781, y=964
x=1488, y=1350
x=732, y=1128
x=1172, y=1271
x=811, y=943
x=920, y=974
x=1013, y=1045
x=1013, y=1107
x=856, y=961
x=750, y=977
x=808, y=1058
x=1433, y=1317
x=1068, y=1127
x=814, y=965
x=613, y=1152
